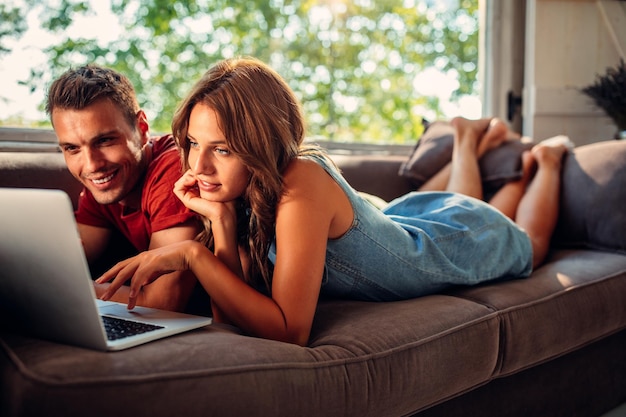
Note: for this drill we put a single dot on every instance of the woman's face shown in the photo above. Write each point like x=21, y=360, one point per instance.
x=221, y=176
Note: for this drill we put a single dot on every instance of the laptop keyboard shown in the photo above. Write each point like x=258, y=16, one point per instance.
x=117, y=328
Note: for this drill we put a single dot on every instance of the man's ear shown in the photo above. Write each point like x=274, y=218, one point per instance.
x=144, y=127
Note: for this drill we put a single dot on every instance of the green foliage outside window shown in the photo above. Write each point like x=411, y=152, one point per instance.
x=352, y=63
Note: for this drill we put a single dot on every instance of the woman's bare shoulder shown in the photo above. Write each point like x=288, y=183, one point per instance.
x=304, y=169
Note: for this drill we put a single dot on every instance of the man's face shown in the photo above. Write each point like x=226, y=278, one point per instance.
x=102, y=150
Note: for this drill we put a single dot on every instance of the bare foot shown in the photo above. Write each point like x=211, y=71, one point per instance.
x=482, y=134
x=495, y=135
x=469, y=132
x=549, y=155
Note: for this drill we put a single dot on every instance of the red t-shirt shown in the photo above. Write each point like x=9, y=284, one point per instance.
x=160, y=208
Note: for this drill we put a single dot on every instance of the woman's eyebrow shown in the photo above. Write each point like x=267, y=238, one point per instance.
x=211, y=142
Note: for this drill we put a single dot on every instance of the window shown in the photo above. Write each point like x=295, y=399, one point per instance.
x=365, y=70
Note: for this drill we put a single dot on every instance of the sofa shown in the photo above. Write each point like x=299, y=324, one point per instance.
x=553, y=344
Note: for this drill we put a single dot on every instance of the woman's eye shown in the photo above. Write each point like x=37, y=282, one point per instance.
x=192, y=143
x=222, y=151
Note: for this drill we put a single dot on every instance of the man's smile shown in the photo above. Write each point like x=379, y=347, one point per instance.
x=103, y=180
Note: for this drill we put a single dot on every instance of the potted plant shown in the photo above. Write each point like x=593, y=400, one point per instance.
x=609, y=93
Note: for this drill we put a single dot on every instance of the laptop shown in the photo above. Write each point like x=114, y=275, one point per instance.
x=46, y=289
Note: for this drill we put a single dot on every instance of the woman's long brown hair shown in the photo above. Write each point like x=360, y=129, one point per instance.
x=263, y=124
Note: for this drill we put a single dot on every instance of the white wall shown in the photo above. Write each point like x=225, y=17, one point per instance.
x=569, y=42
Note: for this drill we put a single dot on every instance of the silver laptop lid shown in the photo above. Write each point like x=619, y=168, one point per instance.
x=45, y=282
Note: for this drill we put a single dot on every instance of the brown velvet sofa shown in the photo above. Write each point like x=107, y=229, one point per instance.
x=553, y=344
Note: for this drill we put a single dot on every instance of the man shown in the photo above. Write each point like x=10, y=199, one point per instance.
x=128, y=177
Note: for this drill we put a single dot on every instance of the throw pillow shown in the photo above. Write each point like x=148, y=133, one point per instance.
x=434, y=150
x=593, y=193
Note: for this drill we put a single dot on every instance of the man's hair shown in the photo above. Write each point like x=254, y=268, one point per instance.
x=81, y=87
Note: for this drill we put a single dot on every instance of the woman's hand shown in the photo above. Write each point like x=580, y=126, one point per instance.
x=221, y=214
x=187, y=191
x=145, y=268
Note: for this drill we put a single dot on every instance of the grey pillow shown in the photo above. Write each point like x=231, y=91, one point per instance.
x=593, y=197
x=434, y=150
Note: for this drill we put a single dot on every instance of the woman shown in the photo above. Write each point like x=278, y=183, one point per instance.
x=283, y=227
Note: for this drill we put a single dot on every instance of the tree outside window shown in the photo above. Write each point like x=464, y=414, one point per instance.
x=365, y=70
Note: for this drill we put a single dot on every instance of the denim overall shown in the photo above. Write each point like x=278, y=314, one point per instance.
x=420, y=243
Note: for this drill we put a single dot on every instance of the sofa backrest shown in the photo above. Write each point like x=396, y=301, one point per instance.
x=592, y=195
x=377, y=175
x=37, y=170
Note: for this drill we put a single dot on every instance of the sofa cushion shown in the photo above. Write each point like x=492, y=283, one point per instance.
x=365, y=359
x=576, y=298
x=593, y=198
x=434, y=150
